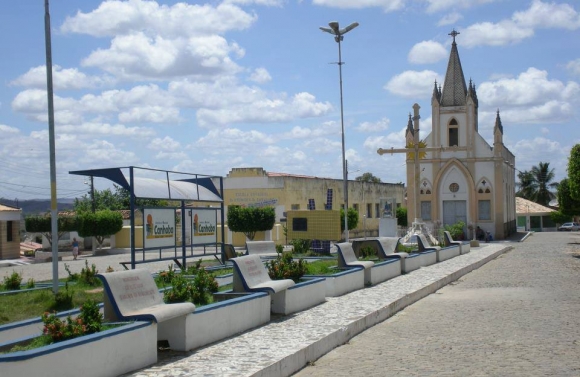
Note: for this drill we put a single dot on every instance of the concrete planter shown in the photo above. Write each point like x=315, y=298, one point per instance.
x=301, y=296
x=342, y=282
x=210, y=323
x=448, y=253
x=428, y=258
x=108, y=353
x=385, y=270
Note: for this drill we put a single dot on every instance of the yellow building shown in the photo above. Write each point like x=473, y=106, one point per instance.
x=9, y=232
x=286, y=192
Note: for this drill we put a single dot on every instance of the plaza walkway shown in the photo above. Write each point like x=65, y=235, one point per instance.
x=518, y=315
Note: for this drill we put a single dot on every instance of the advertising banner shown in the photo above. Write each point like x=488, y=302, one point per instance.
x=159, y=227
x=204, y=225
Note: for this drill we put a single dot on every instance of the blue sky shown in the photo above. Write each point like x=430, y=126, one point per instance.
x=206, y=86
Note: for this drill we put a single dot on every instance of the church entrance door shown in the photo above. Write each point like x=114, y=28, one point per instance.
x=454, y=211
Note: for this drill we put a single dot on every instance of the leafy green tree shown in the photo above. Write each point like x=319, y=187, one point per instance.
x=100, y=224
x=249, y=220
x=43, y=224
x=368, y=177
x=559, y=217
x=351, y=218
x=543, y=178
x=526, y=185
x=574, y=172
x=114, y=201
x=401, y=215
x=566, y=204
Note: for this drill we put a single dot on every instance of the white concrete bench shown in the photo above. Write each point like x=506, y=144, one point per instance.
x=133, y=295
x=424, y=245
x=250, y=275
x=374, y=273
x=464, y=248
x=261, y=248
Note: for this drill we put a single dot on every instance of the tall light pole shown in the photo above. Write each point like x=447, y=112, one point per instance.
x=338, y=36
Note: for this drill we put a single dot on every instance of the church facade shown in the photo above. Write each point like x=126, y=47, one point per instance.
x=460, y=177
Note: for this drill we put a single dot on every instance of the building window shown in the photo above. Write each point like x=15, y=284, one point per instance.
x=454, y=187
x=426, y=210
x=484, y=207
x=300, y=224
x=369, y=211
x=355, y=206
x=377, y=210
x=453, y=133
x=295, y=207
x=9, y=231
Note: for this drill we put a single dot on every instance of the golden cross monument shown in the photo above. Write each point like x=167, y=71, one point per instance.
x=417, y=150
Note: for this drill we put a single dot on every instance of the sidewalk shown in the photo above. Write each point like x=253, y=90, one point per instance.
x=289, y=343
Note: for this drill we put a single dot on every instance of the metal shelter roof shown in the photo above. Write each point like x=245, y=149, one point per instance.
x=195, y=188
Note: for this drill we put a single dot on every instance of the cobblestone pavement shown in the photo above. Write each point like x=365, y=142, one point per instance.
x=518, y=315
x=287, y=343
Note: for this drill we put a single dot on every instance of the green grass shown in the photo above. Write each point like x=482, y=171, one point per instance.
x=322, y=267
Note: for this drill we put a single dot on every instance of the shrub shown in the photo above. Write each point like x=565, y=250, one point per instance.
x=285, y=267
x=71, y=276
x=12, y=282
x=300, y=246
x=165, y=277
x=89, y=321
x=180, y=290
x=366, y=252
x=279, y=249
x=204, y=284
x=456, y=230
x=63, y=299
x=30, y=283
x=89, y=275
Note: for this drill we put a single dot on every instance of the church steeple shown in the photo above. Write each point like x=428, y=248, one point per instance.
x=436, y=96
x=410, y=132
x=454, y=87
x=497, y=130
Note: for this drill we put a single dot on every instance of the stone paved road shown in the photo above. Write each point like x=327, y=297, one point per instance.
x=519, y=315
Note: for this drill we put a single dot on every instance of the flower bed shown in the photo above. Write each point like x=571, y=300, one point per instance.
x=108, y=353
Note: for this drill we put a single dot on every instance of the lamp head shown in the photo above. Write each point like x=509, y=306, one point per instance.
x=334, y=26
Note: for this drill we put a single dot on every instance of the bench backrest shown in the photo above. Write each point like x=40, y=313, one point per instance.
x=131, y=290
x=229, y=251
x=448, y=239
x=346, y=252
x=260, y=247
x=252, y=270
x=388, y=245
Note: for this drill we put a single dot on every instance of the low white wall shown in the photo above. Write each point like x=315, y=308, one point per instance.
x=465, y=248
x=108, y=353
x=411, y=263
x=299, y=297
x=385, y=270
x=448, y=253
x=428, y=258
x=224, y=319
x=342, y=282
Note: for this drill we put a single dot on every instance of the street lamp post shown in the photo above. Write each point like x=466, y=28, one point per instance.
x=338, y=37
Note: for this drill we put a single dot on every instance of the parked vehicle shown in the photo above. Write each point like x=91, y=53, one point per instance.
x=569, y=227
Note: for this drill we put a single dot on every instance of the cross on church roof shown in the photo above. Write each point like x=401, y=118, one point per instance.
x=454, y=34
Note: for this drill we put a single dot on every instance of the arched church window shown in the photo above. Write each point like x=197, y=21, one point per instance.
x=480, y=191
x=453, y=130
x=487, y=190
x=454, y=187
x=428, y=192
x=453, y=122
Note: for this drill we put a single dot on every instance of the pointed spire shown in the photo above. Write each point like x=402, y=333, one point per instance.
x=454, y=88
x=410, y=125
x=498, y=125
x=436, y=93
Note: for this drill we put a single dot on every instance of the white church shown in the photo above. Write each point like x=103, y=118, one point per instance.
x=461, y=177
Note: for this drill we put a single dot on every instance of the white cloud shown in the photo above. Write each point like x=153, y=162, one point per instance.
x=63, y=79
x=522, y=24
x=526, y=152
x=378, y=126
x=265, y=110
x=138, y=56
x=427, y=52
x=4, y=129
x=386, y=5
x=165, y=144
x=441, y=5
x=257, y=2
x=150, y=114
x=260, y=75
x=113, y=18
x=449, y=19
x=531, y=98
x=574, y=67
x=89, y=129
x=413, y=84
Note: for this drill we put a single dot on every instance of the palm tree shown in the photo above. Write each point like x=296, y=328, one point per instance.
x=543, y=181
x=527, y=186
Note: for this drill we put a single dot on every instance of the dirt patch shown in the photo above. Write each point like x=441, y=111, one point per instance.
x=96, y=290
